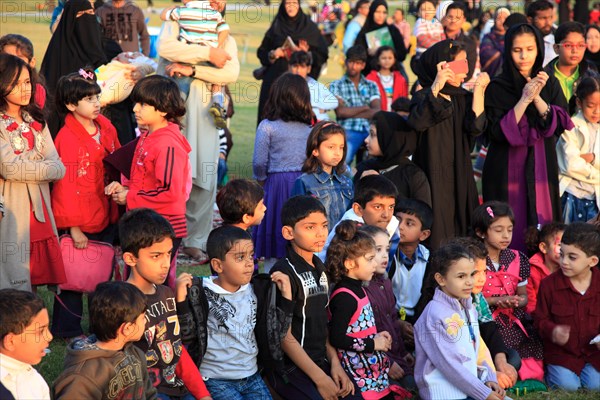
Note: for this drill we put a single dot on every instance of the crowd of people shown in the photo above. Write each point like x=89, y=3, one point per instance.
x=360, y=262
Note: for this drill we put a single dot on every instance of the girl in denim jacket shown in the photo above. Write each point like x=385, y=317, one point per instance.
x=323, y=168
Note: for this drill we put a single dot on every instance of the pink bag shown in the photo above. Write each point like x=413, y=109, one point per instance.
x=86, y=268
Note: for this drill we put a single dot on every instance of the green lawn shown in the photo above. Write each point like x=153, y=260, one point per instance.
x=248, y=24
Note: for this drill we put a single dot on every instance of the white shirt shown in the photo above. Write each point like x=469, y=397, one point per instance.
x=321, y=99
x=549, y=53
x=231, y=351
x=22, y=380
x=391, y=228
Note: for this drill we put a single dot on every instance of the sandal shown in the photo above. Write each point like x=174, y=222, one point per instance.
x=219, y=115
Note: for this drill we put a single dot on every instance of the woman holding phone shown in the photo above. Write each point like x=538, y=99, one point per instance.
x=448, y=118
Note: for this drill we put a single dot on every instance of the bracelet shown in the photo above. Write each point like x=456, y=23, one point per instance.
x=193, y=71
x=546, y=113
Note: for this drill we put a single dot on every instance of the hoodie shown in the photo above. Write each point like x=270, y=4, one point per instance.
x=161, y=176
x=125, y=25
x=93, y=373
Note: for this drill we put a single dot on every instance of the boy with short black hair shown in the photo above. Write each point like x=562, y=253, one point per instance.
x=570, y=64
x=24, y=339
x=321, y=99
x=241, y=203
x=540, y=14
x=223, y=317
x=566, y=315
x=408, y=269
x=312, y=368
x=373, y=204
x=94, y=367
x=147, y=242
x=358, y=99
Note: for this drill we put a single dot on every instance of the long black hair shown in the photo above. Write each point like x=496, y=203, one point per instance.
x=11, y=68
x=289, y=100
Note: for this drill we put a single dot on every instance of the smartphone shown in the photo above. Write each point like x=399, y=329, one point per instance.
x=458, y=66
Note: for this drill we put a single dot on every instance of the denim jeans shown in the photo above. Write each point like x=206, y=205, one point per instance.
x=354, y=139
x=564, y=378
x=221, y=171
x=252, y=387
x=576, y=209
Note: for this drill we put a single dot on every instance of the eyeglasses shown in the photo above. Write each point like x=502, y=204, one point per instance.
x=571, y=46
x=92, y=99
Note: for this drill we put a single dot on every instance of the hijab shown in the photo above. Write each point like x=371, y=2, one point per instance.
x=76, y=43
x=510, y=80
x=593, y=58
x=371, y=26
x=298, y=27
x=426, y=66
x=397, y=141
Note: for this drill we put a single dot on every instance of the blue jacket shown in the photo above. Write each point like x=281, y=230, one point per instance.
x=334, y=191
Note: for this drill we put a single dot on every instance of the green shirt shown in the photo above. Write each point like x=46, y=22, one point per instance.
x=566, y=82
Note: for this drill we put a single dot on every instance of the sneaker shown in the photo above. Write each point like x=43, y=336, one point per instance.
x=218, y=114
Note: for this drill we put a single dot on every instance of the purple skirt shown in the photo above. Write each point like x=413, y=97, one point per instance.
x=268, y=241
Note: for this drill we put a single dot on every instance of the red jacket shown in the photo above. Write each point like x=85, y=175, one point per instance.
x=78, y=199
x=161, y=175
x=559, y=303
x=400, y=88
x=538, y=271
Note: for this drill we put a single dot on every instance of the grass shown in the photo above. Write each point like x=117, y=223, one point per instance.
x=248, y=23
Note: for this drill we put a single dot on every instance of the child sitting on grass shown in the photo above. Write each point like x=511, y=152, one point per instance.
x=312, y=368
x=567, y=312
x=24, y=340
x=95, y=367
x=221, y=315
x=147, y=242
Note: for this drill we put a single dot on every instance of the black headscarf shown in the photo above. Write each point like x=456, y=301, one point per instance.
x=397, y=141
x=299, y=27
x=426, y=66
x=371, y=26
x=76, y=43
x=593, y=58
x=507, y=88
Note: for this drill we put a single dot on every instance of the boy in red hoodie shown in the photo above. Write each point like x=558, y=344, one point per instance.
x=161, y=177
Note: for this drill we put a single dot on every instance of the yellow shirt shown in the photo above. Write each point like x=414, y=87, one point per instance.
x=566, y=82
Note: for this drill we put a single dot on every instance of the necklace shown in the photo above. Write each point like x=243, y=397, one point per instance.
x=16, y=130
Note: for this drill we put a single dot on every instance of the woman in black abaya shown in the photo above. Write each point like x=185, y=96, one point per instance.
x=396, y=142
x=448, y=118
x=289, y=21
x=76, y=43
x=377, y=19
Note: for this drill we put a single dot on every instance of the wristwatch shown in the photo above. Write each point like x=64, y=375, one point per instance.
x=193, y=71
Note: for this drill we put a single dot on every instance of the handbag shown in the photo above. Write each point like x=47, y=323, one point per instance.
x=259, y=73
x=86, y=268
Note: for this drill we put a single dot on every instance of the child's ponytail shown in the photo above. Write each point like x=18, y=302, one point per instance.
x=535, y=236
x=488, y=213
x=348, y=243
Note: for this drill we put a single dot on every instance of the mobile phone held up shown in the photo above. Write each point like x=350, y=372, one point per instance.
x=458, y=66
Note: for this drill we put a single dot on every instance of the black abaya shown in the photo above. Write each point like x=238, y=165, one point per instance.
x=298, y=28
x=448, y=130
